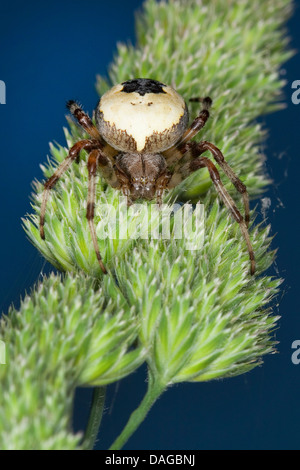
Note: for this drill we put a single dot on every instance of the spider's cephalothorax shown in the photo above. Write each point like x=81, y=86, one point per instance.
x=142, y=145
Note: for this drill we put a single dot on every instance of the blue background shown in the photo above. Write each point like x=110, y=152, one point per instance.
x=51, y=53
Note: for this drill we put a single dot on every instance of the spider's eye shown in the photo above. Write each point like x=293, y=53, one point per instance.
x=141, y=115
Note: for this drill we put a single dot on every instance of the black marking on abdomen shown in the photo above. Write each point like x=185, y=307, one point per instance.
x=143, y=86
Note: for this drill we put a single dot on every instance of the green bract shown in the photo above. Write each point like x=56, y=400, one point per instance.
x=68, y=332
x=202, y=315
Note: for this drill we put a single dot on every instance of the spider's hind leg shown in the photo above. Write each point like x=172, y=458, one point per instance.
x=201, y=147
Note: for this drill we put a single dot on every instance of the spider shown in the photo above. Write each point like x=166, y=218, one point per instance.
x=142, y=145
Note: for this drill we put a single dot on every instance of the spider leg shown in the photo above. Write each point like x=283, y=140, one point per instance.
x=175, y=153
x=161, y=185
x=87, y=124
x=83, y=119
x=72, y=155
x=198, y=123
x=96, y=158
x=202, y=162
x=201, y=147
x=200, y=99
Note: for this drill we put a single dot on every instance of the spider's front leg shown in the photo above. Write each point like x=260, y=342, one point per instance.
x=97, y=159
x=87, y=124
x=73, y=155
x=203, y=162
x=83, y=119
x=198, y=123
x=175, y=153
x=161, y=184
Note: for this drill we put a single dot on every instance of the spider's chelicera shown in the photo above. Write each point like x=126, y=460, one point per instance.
x=142, y=145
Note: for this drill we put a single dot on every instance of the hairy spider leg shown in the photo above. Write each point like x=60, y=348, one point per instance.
x=198, y=123
x=96, y=157
x=175, y=153
x=87, y=124
x=73, y=154
x=204, y=145
x=83, y=119
x=201, y=162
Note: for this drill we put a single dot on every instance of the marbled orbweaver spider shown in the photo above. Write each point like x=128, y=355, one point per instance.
x=142, y=145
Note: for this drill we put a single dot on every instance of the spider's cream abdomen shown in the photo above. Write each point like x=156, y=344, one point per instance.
x=141, y=115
